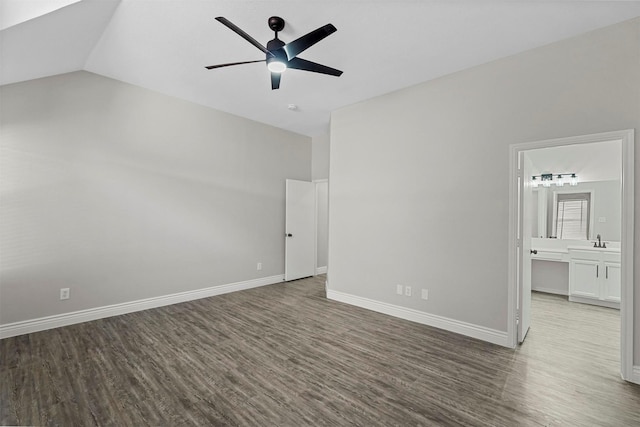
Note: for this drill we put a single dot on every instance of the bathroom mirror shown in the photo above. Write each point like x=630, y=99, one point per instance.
x=578, y=213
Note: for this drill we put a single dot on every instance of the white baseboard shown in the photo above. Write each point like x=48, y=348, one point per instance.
x=550, y=291
x=65, y=319
x=321, y=270
x=468, y=329
x=635, y=374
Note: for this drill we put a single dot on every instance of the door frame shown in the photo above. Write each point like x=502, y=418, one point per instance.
x=626, y=241
x=316, y=182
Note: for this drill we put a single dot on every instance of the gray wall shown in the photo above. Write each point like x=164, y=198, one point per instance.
x=322, y=212
x=320, y=157
x=550, y=276
x=320, y=170
x=120, y=193
x=419, y=177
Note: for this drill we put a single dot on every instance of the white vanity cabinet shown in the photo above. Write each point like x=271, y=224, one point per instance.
x=612, y=281
x=594, y=277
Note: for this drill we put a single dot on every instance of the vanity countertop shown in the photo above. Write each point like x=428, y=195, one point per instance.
x=559, y=251
x=591, y=248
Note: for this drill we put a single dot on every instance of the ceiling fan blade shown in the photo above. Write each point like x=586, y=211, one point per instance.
x=303, y=64
x=275, y=80
x=211, y=67
x=305, y=42
x=242, y=34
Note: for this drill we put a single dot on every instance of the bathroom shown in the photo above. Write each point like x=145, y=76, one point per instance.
x=576, y=226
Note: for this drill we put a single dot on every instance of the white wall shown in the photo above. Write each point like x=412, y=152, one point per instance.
x=419, y=177
x=120, y=193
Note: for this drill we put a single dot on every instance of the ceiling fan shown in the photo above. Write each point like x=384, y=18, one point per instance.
x=281, y=55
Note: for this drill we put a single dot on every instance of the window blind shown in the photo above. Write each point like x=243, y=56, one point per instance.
x=572, y=216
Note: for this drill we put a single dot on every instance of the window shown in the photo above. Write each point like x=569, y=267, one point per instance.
x=572, y=216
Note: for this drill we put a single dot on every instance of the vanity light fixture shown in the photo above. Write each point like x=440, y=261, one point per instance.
x=573, y=181
x=546, y=179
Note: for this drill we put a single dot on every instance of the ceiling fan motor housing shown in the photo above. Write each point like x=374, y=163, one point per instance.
x=279, y=55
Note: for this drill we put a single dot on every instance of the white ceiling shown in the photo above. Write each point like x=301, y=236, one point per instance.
x=381, y=46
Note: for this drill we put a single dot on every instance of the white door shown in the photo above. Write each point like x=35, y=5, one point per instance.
x=299, y=259
x=526, y=200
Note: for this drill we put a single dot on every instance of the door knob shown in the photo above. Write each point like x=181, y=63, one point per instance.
x=533, y=251
x=288, y=234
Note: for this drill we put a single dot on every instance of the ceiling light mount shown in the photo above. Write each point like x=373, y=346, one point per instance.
x=276, y=24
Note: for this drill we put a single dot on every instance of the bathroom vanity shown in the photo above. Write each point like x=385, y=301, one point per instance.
x=594, y=276
x=593, y=273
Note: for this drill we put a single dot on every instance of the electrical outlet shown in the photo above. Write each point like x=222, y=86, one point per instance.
x=259, y=267
x=64, y=293
x=399, y=289
x=425, y=294
x=602, y=219
x=407, y=291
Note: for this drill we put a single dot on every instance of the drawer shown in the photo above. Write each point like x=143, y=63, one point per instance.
x=549, y=256
x=589, y=255
x=611, y=256
x=594, y=255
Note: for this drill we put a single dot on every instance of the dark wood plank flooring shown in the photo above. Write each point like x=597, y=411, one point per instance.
x=285, y=355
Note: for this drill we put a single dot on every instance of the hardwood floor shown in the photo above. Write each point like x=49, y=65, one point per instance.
x=285, y=355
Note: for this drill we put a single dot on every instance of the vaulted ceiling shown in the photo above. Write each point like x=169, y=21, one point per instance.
x=381, y=46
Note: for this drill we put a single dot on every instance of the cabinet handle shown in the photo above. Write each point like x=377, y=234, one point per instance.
x=606, y=272
x=597, y=270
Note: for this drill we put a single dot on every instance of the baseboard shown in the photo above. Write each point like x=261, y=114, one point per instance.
x=592, y=301
x=550, y=291
x=321, y=270
x=463, y=328
x=635, y=374
x=65, y=319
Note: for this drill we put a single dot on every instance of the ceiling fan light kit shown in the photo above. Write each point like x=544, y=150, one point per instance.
x=280, y=55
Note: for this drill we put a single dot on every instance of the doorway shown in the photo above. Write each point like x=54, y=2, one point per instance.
x=520, y=241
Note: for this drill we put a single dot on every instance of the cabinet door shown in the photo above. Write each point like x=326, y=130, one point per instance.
x=584, y=278
x=611, y=286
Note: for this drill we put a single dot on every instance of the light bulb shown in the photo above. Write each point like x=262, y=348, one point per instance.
x=573, y=180
x=534, y=182
x=277, y=67
x=560, y=181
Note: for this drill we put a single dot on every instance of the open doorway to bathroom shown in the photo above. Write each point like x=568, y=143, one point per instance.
x=570, y=294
